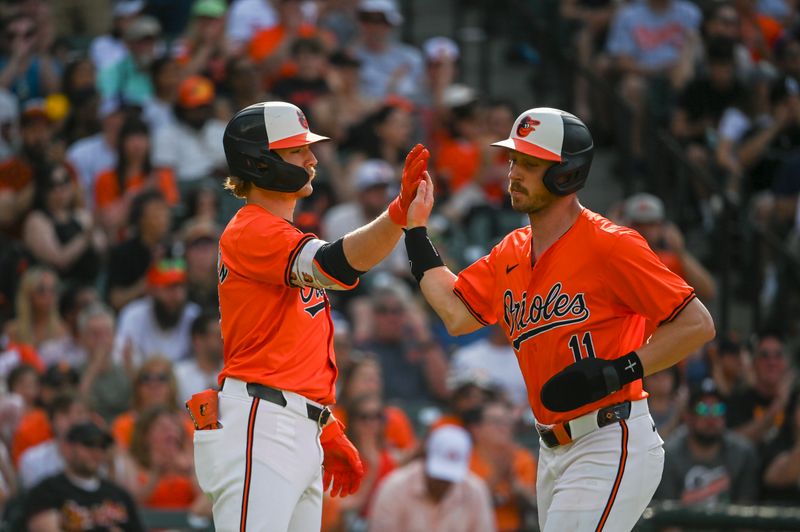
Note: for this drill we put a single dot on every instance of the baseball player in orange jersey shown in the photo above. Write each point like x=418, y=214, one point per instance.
x=576, y=296
x=260, y=459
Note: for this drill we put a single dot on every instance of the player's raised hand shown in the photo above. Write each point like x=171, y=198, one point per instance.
x=342, y=465
x=589, y=380
x=421, y=206
x=413, y=169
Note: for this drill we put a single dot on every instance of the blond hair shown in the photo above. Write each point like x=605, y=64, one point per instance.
x=238, y=187
x=25, y=318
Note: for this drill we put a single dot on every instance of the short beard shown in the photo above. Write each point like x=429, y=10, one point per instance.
x=166, y=318
x=707, y=440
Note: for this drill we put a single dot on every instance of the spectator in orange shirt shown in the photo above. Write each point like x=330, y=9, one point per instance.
x=159, y=467
x=508, y=469
x=115, y=188
x=363, y=378
x=759, y=31
x=153, y=386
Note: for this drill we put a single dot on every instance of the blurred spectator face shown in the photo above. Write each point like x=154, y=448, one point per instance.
x=26, y=385
x=724, y=22
x=210, y=29
x=390, y=318
x=499, y=121
x=61, y=190
x=165, y=436
x=155, y=385
x=374, y=200
x=242, y=76
x=310, y=64
x=36, y=133
x=196, y=117
x=136, y=146
x=496, y=427
x=85, y=460
x=20, y=34
x=209, y=345
x=730, y=362
x=167, y=78
x=62, y=421
x=770, y=363
x=467, y=397
x=168, y=303
x=706, y=420
x=375, y=28
x=365, y=380
x=155, y=219
x=395, y=130
x=367, y=419
x=98, y=334
x=201, y=258
x=43, y=294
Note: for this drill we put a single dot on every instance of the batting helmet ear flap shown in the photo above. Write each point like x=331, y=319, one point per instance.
x=577, y=151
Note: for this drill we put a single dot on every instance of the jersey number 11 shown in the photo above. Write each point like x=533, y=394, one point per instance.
x=575, y=346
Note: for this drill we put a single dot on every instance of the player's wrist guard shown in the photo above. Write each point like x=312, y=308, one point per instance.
x=421, y=253
x=589, y=380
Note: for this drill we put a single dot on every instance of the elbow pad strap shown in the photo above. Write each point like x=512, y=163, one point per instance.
x=421, y=253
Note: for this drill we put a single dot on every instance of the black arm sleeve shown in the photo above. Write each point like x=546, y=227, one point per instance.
x=332, y=260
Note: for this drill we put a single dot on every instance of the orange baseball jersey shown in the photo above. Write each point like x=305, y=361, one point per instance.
x=589, y=295
x=274, y=333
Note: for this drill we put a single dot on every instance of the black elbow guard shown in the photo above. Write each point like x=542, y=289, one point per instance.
x=333, y=262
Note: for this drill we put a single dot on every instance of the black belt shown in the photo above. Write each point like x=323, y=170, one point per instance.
x=315, y=413
x=560, y=434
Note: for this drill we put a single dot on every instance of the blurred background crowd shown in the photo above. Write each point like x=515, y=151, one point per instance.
x=111, y=121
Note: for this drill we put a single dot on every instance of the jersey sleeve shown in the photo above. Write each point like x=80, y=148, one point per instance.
x=266, y=252
x=474, y=286
x=641, y=282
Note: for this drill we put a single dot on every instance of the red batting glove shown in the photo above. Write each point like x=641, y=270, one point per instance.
x=341, y=464
x=416, y=164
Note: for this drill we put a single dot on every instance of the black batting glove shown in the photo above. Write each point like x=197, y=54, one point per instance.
x=589, y=380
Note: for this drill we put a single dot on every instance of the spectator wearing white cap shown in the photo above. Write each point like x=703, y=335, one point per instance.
x=387, y=66
x=645, y=213
x=246, y=18
x=437, y=492
x=373, y=179
x=110, y=48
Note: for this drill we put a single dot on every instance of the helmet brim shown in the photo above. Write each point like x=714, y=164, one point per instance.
x=297, y=140
x=528, y=149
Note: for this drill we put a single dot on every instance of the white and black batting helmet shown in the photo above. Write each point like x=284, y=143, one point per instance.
x=254, y=132
x=554, y=135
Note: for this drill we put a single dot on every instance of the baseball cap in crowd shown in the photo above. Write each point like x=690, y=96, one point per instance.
x=702, y=390
x=127, y=8
x=34, y=110
x=387, y=8
x=373, y=173
x=447, y=453
x=142, y=27
x=89, y=434
x=209, y=8
x=440, y=48
x=167, y=272
x=643, y=209
x=195, y=91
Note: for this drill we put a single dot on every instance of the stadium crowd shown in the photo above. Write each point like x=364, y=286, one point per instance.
x=111, y=206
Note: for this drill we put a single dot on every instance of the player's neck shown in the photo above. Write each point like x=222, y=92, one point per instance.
x=277, y=203
x=548, y=225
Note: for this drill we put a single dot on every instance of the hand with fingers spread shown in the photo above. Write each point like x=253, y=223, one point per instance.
x=342, y=465
x=413, y=172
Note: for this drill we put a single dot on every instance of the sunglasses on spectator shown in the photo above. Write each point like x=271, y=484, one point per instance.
x=382, y=309
x=770, y=353
x=154, y=377
x=376, y=415
x=707, y=410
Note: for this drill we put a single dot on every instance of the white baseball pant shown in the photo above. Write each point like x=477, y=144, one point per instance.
x=603, y=480
x=263, y=468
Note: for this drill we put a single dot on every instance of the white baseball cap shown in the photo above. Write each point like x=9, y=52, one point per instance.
x=438, y=48
x=373, y=172
x=386, y=7
x=538, y=132
x=643, y=208
x=287, y=126
x=448, y=453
